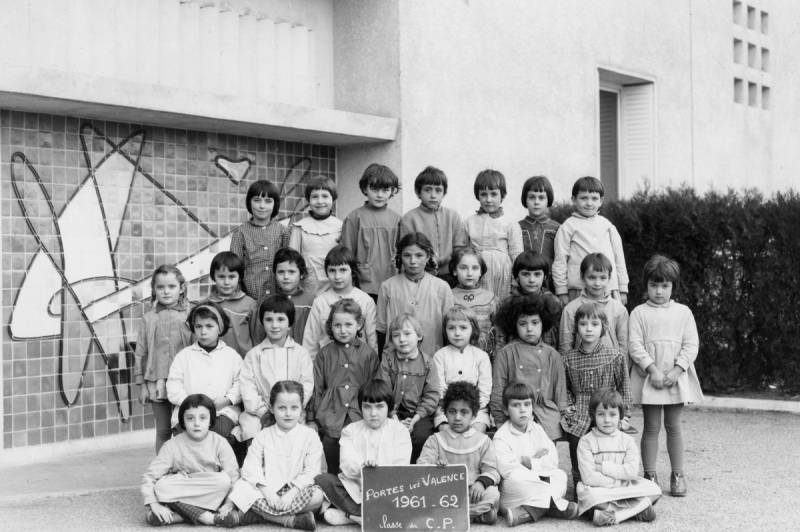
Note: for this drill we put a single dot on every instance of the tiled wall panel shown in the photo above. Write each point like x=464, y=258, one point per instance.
x=89, y=209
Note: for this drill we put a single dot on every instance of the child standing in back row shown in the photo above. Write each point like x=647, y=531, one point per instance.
x=583, y=233
x=663, y=346
x=371, y=231
x=538, y=229
x=163, y=333
x=498, y=238
x=441, y=225
x=257, y=240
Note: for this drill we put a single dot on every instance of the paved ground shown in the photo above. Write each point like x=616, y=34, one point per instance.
x=741, y=470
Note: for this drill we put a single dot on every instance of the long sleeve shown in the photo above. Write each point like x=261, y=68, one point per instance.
x=636, y=349
x=257, y=333
x=253, y=402
x=296, y=239
x=384, y=373
x=285, y=238
x=622, y=333
x=176, y=391
x=350, y=233
x=489, y=464
x=629, y=468
x=515, y=246
x=319, y=387
x=559, y=269
x=311, y=463
x=447, y=300
x=227, y=459
x=349, y=460
x=237, y=243
x=140, y=354
x=253, y=467
x=439, y=362
x=233, y=393
x=499, y=379
x=381, y=319
x=460, y=235
x=306, y=376
x=690, y=343
x=370, y=323
x=315, y=328
x=430, y=452
x=406, y=227
x=589, y=475
x=507, y=460
x=619, y=258
x=429, y=398
x=548, y=461
x=622, y=382
x=160, y=466
x=566, y=332
x=560, y=384
x=484, y=380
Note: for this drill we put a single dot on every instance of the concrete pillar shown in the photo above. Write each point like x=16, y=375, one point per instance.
x=126, y=51
x=190, y=46
x=209, y=49
x=169, y=65
x=47, y=26
x=299, y=65
x=79, y=45
x=248, y=69
x=229, y=51
x=265, y=57
x=102, y=37
x=147, y=40
x=283, y=62
x=15, y=29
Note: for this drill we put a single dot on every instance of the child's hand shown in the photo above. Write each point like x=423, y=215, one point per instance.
x=570, y=411
x=287, y=498
x=540, y=453
x=623, y=298
x=410, y=422
x=672, y=376
x=476, y=492
x=273, y=501
x=224, y=509
x=624, y=424
x=441, y=426
x=656, y=378
x=370, y=463
x=526, y=461
x=162, y=512
x=144, y=396
x=564, y=299
x=441, y=462
x=161, y=389
x=312, y=425
x=221, y=402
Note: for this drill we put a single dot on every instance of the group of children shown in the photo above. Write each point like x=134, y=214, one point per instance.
x=325, y=347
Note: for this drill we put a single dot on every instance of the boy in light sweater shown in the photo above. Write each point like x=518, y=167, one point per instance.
x=586, y=232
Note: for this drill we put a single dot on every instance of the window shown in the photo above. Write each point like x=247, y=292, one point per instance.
x=752, y=94
x=738, y=90
x=737, y=12
x=765, y=59
x=751, y=18
x=738, y=55
x=765, y=98
x=765, y=23
x=752, y=56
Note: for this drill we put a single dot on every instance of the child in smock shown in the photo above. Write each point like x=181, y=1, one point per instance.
x=468, y=267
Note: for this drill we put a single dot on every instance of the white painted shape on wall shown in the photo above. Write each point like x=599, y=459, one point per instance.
x=114, y=178
x=83, y=237
x=30, y=318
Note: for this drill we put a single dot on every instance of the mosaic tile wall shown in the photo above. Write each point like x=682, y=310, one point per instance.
x=89, y=209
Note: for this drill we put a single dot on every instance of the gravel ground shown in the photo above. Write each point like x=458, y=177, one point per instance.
x=740, y=469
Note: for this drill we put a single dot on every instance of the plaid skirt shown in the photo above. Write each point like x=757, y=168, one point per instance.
x=298, y=503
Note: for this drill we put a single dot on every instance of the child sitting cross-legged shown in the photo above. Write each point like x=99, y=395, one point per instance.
x=532, y=485
x=375, y=441
x=609, y=462
x=459, y=443
x=277, y=482
x=193, y=472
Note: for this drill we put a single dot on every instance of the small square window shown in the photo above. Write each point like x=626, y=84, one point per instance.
x=752, y=56
x=737, y=12
x=765, y=98
x=765, y=23
x=738, y=90
x=738, y=54
x=752, y=94
x=765, y=59
x=751, y=18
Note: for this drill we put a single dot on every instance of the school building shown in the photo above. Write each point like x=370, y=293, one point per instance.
x=130, y=130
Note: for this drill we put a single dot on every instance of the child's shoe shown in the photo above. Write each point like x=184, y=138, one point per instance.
x=677, y=485
x=153, y=520
x=569, y=513
x=231, y=519
x=336, y=517
x=653, y=478
x=517, y=516
x=602, y=518
x=649, y=514
x=304, y=521
x=487, y=518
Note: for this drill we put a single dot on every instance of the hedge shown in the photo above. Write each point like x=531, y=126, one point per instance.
x=740, y=260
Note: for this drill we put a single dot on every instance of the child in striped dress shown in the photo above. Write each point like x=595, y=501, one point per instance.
x=498, y=238
x=468, y=267
x=609, y=462
x=193, y=472
x=590, y=367
x=277, y=483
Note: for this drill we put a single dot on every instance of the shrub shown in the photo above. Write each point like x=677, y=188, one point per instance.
x=740, y=260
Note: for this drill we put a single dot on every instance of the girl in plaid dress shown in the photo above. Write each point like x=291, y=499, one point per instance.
x=498, y=238
x=591, y=366
x=277, y=482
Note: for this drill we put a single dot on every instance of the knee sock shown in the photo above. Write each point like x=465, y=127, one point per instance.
x=652, y=426
x=675, y=444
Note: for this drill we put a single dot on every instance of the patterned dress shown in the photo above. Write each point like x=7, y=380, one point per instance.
x=313, y=239
x=484, y=304
x=499, y=241
x=256, y=245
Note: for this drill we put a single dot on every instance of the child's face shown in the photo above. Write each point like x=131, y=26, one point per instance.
x=197, y=421
x=520, y=413
x=340, y=276
x=287, y=410
x=490, y=199
x=531, y=281
x=276, y=325
x=589, y=331
x=587, y=203
x=659, y=293
x=596, y=283
x=459, y=333
x=459, y=415
x=405, y=339
x=287, y=275
x=606, y=419
x=261, y=207
x=227, y=282
x=168, y=289
x=468, y=271
x=344, y=326
x=529, y=329
x=378, y=197
x=414, y=259
x=431, y=196
x=321, y=202
x=206, y=330
x=375, y=414
x=537, y=203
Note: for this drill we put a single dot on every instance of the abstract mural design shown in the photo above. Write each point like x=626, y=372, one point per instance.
x=74, y=290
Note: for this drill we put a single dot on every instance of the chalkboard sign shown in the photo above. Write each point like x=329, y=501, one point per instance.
x=415, y=497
